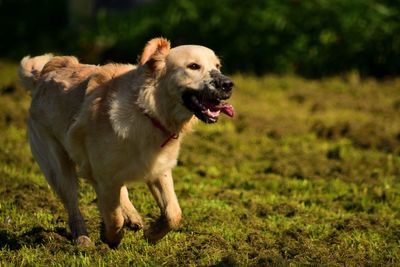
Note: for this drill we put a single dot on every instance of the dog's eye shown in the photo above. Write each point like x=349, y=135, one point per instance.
x=194, y=66
x=218, y=66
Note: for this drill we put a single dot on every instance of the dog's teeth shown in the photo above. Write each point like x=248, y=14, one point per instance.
x=211, y=114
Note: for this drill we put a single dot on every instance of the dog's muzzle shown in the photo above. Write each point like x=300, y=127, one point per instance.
x=222, y=84
x=206, y=103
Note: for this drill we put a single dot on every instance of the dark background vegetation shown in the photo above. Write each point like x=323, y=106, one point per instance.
x=313, y=38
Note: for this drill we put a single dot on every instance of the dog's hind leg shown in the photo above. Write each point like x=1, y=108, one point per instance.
x=60, y=173
x=132, y=218
x=162, y=189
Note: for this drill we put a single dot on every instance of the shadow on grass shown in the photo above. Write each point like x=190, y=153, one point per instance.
x=35, y=237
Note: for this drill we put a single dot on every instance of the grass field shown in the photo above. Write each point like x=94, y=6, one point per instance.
x=307, y=173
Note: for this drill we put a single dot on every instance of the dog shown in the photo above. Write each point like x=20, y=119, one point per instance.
x=117, y=123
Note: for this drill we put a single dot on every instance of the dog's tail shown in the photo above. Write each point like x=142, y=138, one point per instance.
x=30, y=69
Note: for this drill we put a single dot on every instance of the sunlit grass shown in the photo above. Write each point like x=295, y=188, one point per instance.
x=307, y=173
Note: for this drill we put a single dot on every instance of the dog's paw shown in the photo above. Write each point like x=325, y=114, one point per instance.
x=133, y=221
x=111, y=238
x=156, y=231
x=84, y=241
x=133, y=226
x=151, y=236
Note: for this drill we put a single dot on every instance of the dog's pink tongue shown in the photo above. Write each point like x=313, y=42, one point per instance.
x=227, y=109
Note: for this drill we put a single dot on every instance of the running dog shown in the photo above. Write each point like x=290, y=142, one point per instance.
x=118, y=123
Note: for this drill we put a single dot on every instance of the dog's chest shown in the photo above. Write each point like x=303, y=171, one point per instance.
x=147, y=163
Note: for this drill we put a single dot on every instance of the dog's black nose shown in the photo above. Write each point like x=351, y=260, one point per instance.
x=221, y=81
x=227, y=85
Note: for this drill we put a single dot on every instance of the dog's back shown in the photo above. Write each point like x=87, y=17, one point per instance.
x=58, y=86
x=65, y=69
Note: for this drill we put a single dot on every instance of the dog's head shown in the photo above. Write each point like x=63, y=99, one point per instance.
x=193, y=76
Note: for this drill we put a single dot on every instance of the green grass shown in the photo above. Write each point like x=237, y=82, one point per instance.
x=307, y=173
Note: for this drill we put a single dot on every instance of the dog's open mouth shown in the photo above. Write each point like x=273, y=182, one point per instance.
x=206, y=109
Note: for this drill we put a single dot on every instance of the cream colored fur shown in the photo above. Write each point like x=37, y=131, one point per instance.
x=91, y=119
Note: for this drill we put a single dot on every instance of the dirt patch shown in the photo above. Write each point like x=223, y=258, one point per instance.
x=35, y=237
x=369, y=135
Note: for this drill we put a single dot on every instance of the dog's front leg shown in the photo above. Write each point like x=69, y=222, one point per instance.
x=112, y=213
x=162, y=189
x=132, y=218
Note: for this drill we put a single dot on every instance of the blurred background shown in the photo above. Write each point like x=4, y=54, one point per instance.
x=312, y=38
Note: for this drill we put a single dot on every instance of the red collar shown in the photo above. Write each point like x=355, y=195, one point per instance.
x=156, y=123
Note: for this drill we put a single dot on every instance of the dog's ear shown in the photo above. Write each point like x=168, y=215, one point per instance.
x=154, y=53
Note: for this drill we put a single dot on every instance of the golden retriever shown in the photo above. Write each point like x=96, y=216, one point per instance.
x=117, y=123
